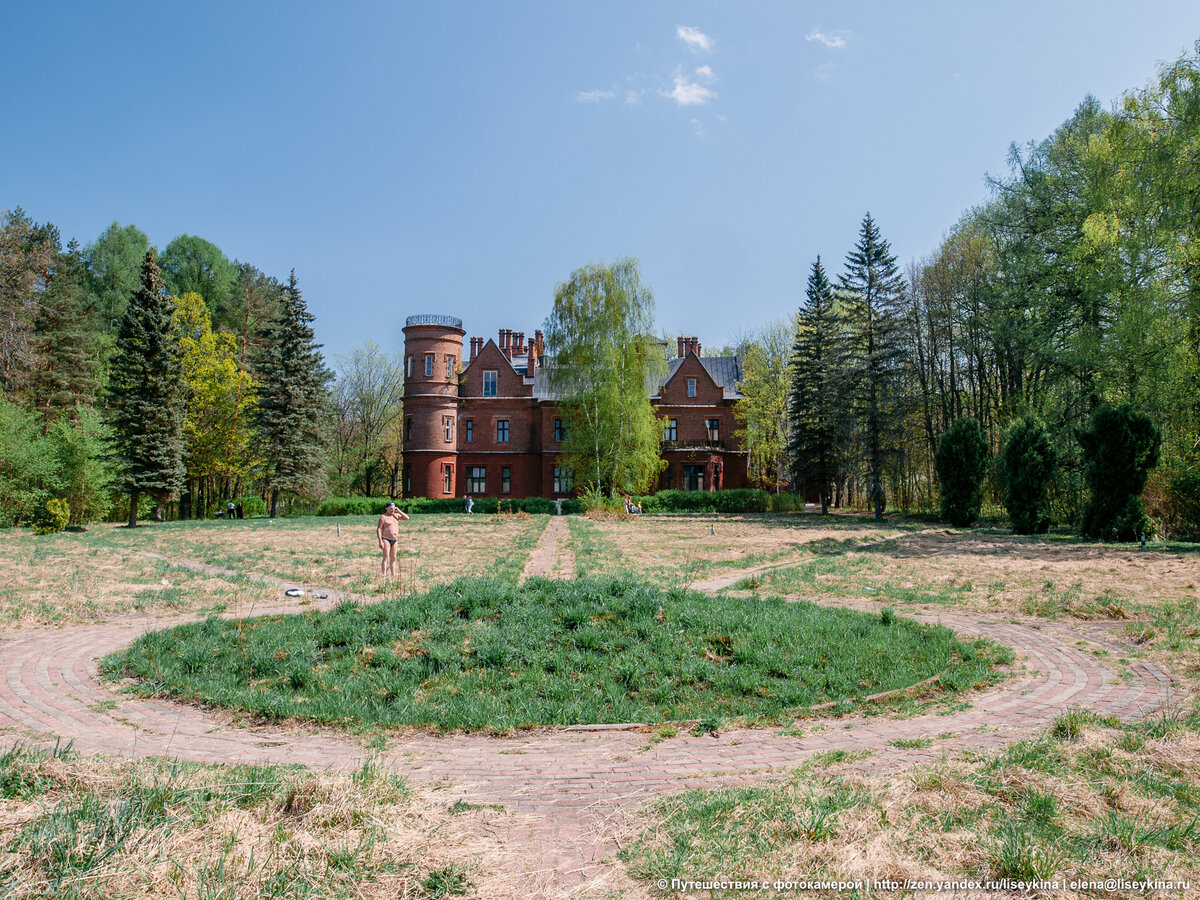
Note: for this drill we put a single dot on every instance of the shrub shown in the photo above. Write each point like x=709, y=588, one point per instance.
x=53, y=518
x=1172, y=496
x=373, y=506
x=1024, y=470
x=1120, y=447
x=961, y=460
x=734, y=501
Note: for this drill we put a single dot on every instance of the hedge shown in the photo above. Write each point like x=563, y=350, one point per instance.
x=373, y=506
x=736, y=501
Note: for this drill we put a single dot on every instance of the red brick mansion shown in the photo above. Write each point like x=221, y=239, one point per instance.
x=492, y=427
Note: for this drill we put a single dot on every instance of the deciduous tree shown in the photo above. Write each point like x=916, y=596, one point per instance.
x=604, y=357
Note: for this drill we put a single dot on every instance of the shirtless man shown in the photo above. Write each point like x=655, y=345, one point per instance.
x=388, y=532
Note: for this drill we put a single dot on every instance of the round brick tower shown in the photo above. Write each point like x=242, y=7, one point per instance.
x=432, y=355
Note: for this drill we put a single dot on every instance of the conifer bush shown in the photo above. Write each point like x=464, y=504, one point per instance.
x=1024, y=471
x=1120, y=447
x=962, y=460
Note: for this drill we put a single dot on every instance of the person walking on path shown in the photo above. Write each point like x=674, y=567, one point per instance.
x=388, y=532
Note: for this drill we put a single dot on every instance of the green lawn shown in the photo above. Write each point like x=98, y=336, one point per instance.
x=484, y=654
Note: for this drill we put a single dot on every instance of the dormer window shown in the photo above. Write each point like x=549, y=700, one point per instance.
x=691, y=387
x=489, y=382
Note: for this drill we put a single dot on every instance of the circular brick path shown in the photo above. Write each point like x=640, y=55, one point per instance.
x=562, y=788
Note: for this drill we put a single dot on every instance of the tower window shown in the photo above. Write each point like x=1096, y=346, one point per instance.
x=447, y=478
x=428, y=365
x=449, y=367
x=448, y=425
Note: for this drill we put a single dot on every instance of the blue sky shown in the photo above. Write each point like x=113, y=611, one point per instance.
x=463, y=158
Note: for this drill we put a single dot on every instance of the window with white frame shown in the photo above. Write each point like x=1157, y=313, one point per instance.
x=448, y=427
x=489, y=382
x=691, y=387
x=671, y=432
x=564, y=480
x=408, y=367
x=476, y=480
x=447, y=478
x=449, y=366
x=714, y=429
x=693, y=478
x=428, y=365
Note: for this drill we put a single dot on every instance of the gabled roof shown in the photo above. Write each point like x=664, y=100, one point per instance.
x=726, y=371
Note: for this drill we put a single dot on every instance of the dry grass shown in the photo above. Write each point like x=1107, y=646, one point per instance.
x=1117, y=802
x=95, y=827
x=94, y=575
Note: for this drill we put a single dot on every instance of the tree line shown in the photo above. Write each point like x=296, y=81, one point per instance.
x=134, y=381
x=1071, y=290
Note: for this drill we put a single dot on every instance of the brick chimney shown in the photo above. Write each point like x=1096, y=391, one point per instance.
x=680, y=346
x=519, y=343
x=532, y=363
x=540, y=342
x=696, y=344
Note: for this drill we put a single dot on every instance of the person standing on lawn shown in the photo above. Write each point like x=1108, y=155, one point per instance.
x=388, y=532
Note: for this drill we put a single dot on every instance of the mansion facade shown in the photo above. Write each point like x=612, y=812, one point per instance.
x=489, y=424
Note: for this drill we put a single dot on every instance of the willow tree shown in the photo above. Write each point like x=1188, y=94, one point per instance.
x=603, y=358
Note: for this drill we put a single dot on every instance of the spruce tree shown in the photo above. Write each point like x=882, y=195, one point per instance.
x=1024, y=471
x=293, y=401
x=146, y=394
x=65, y=342
x=1120, y=447
x=815, y=402
x=873, y=289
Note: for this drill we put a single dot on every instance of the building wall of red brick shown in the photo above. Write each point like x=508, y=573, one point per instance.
x=531, y=452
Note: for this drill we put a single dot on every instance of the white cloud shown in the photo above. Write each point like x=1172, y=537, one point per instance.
x=633, y=98
x=694, y=38
x=705, y=72
x=835, y=40
x=594, y=96
x=689, y=93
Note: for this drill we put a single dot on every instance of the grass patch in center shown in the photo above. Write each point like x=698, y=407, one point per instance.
x=482, y=654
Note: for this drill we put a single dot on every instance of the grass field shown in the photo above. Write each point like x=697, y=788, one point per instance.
x=483, y=654
x=89, y=576
x=1087, y=798
x=86, y=827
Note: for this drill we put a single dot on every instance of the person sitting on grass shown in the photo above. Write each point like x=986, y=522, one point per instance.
x=634, y=509
x=388, y=532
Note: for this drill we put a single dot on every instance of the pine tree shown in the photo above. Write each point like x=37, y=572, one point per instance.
x=146, y=393
x=65, y=343
x=293, y=401
x=815, y=403
x=874, y=291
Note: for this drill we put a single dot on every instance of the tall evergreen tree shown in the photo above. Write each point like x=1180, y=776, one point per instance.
x=147, y=394
x=815, y=402
x=65, y=343
x=873, y=289
x=293, y=401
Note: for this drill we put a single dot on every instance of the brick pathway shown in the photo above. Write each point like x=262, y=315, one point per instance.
x=567, y=789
